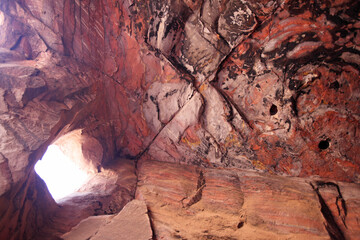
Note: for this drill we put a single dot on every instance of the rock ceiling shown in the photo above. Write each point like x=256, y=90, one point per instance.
x=180, y=95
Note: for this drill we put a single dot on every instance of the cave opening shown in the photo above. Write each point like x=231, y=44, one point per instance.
x=60, y=173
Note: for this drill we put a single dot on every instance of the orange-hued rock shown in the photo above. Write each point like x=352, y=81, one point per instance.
x=201, y=203
x=265, y=86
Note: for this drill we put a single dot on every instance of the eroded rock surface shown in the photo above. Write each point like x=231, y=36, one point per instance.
x=266, y=86
x=190, y=202
x=130, y=223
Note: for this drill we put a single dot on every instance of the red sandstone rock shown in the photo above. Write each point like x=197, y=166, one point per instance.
x=198, y=203
x=268, y=86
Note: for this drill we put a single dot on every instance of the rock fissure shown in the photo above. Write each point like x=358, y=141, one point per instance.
x=340, y=202
x=238, y=110
x=153, y=229
x=17, y=43
x=195, y=197
x=331, y=225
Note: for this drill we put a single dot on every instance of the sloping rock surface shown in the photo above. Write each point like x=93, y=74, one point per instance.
x=130, y=223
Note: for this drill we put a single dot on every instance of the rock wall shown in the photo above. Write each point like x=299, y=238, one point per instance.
x=271, y=87
x=187, y=202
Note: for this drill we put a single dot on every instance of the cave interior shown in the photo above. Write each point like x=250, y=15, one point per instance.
x=184, y=119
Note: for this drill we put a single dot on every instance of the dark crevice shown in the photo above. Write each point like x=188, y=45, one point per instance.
x=201, y=183
x=227, y=98
x=151, y=224
x=339, y=198
x=294, y=106
x=240, y=112
x=331, y=226
x=68, y=44
x=17, y=43
x=43, y=39
x=289, y=122
x=154, y=100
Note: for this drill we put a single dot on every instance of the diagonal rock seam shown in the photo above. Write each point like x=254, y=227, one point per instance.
x=138, y=156
x=236, y=107
x=150, y=215
x=196, y=197
x=339, y=198
x=331, y=226
x=182, y=69
x=209, y=79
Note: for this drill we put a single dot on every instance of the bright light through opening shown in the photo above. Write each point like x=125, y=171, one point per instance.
x=61, y=175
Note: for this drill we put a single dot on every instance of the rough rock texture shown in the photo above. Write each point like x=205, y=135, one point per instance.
x=132, y=223
x=266, y=86
x=87, y=227
x=187, y=202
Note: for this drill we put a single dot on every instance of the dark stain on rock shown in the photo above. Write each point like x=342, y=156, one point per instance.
x=335, y=85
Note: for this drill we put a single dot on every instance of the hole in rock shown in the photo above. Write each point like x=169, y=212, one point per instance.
x=273, y=109
x=324, y=144
x=240, y=225
x=60, y=173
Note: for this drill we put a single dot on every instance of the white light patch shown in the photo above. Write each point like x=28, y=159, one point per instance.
x=61, y=175
x=2, y=18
